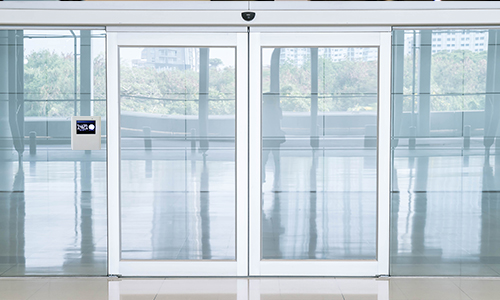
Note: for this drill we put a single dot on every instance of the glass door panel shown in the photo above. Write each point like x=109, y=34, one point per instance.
x=179, y=213
x=319, y=155
x=318, y=199
x=177, y=153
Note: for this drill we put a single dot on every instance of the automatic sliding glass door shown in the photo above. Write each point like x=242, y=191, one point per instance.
x=177, y=165
x=179, y=105
x=320, y=119
x=205, y=182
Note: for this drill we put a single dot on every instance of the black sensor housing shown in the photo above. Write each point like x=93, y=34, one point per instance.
x=248, y=15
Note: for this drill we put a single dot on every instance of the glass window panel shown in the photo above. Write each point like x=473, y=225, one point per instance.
x=178, y=153
x=53, y=200
x=444, y=203
x=319, y=132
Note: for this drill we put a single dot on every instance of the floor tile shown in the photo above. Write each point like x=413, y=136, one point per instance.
x=267, y=288
x=358, y=285
x=137, y=297
x=480, y=289
x=137, y=289
x=20, y=288
x=395, y=288
x=429, y=289
x=358, y=288
x=360, y=297
x=309, y=285
x=73, y=288
x=309, y=288
x=395, y=292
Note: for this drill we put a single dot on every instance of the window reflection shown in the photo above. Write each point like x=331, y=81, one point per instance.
x=444, y=144
x=178, y=153
x=53, y=199
x=319, y=125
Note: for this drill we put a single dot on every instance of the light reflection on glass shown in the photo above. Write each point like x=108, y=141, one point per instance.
x=445, y=208
x=177, y=153
x=52, y=199
x=319, y=131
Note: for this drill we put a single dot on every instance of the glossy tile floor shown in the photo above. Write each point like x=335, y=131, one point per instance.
x=445, y=215
x=253, y=288
x=445, y=212
x=58, y=225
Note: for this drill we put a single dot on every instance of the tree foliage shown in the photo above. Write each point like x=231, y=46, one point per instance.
x=48, y=76
x=176, y=92
x=458, y=82
x=342, y=85
x=49, y=84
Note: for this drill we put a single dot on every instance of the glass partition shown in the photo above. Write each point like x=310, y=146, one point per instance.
x=52, y=199
x=445, y=214
x=178, y=153
x=319, y=153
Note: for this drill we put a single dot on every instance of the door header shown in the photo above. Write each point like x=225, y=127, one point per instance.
x=173, y=13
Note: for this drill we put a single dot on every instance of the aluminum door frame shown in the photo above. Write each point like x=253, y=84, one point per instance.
x=191, y=37
x=307, y=37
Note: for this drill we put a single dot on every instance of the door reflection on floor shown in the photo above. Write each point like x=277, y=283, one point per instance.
x=58, y=231
x=253, y=288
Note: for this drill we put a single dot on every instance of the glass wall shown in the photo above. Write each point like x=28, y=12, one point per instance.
x=445, y=214
x=178, y=153
x=319, y=170
x=52, y=199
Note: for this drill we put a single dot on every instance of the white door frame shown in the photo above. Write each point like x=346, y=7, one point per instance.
x=281, y=38
x=204, y=37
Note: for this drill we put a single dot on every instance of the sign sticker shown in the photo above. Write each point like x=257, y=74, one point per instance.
x=85, y=127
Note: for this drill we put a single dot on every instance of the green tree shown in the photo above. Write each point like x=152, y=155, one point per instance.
x=458, y=82
x=48, y=76
x=173, y=91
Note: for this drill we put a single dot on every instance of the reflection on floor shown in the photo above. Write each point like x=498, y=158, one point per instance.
x=177, y=209
x=253, y=288
x=445, y=216
x=446, y=233
x=319, y=225
x=57, y=226
x=178, y=225
x=319, y=204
